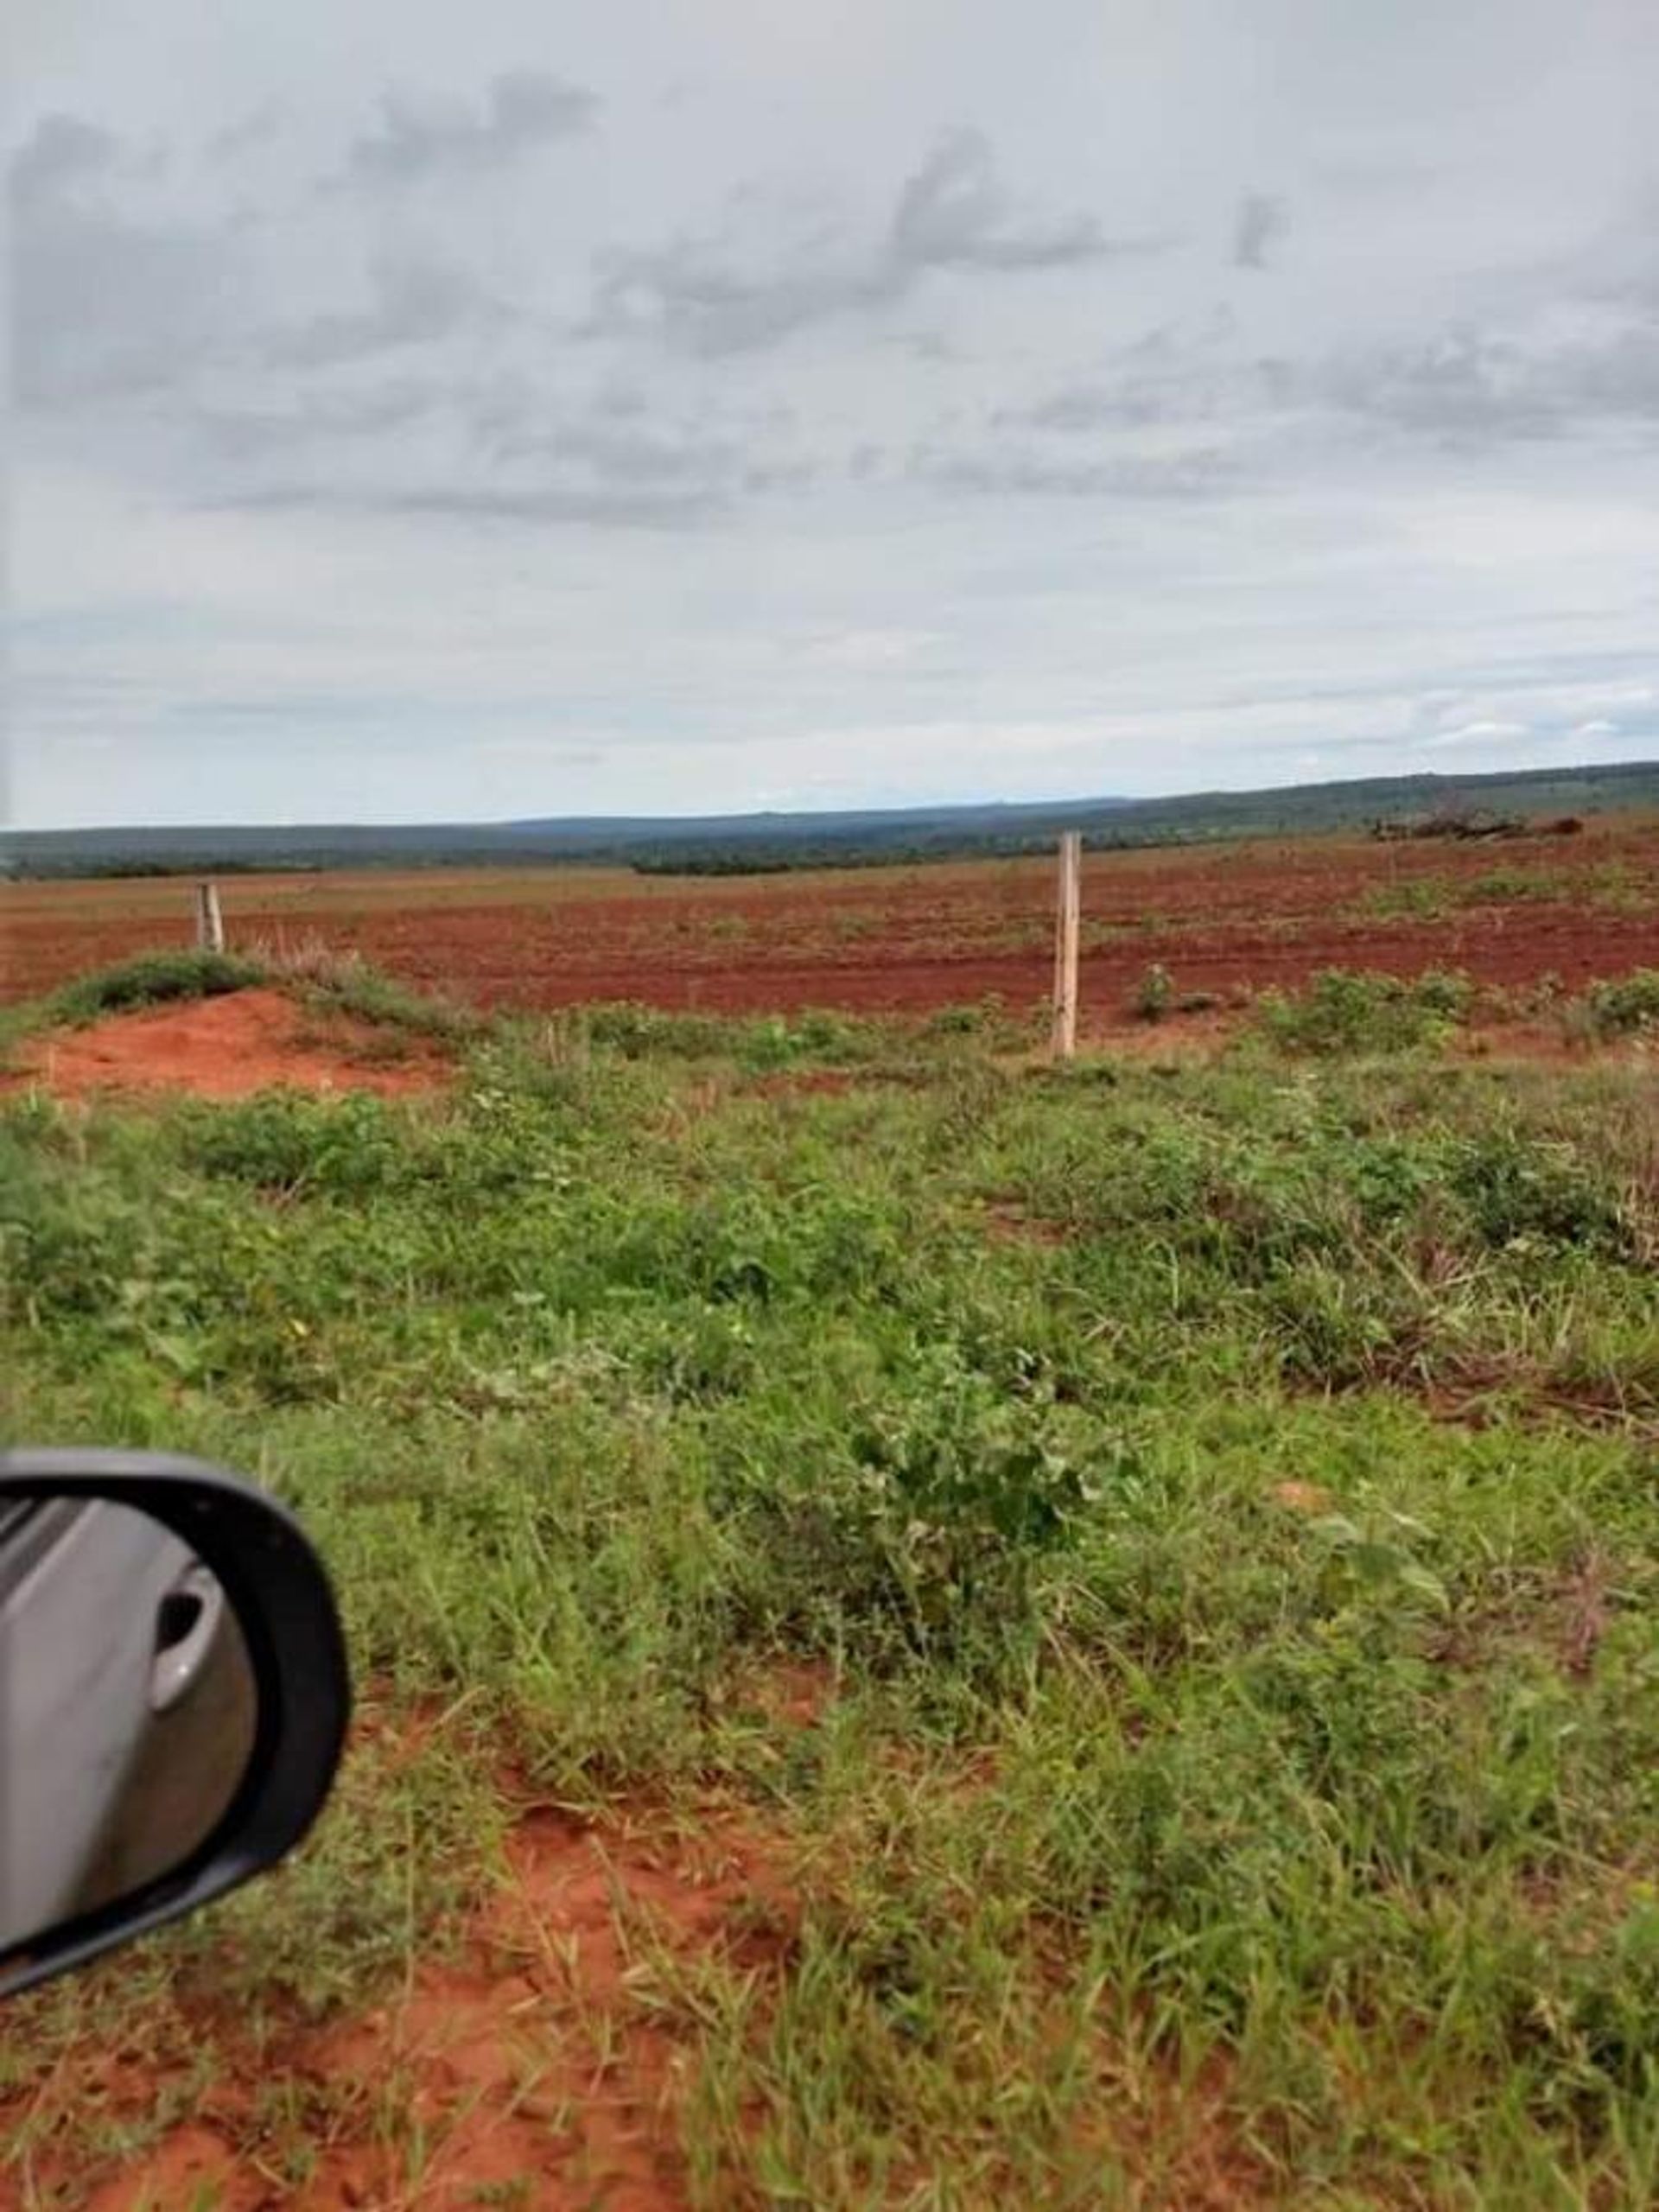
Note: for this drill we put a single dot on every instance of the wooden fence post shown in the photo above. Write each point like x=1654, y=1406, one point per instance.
x=209, y=923
x=1062, y=1039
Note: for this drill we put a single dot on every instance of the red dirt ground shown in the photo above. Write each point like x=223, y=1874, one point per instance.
x=531, y=2070
x=224, y=1047
x=535, y=2070
x=1226, y=919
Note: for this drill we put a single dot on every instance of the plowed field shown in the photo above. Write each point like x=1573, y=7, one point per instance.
x=1229, y=918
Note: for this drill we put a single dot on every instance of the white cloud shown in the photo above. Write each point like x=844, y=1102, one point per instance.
x=1482, y=733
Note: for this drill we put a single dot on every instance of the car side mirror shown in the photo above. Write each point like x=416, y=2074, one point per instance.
x=174, y=1696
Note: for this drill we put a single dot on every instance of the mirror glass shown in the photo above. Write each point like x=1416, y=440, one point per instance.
x=128, y=1707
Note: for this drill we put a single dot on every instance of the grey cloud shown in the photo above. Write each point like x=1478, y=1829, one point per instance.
x=1174, y=373
x=522, y=109
x=1199, y=474
x=928, y=346
x=1260, y=222
x=689, y=295
x=248, y=433
x=956, y=213
x=1460, y=387
x=953, y=213
x=60, y=150
x=1468, y=386
x=255, y=128
x=518, y=456
x=1093, y=407
x=634, y=454
x=103, y=304
x=779, y=476
x=548, y=504
x=609, y=438
x=655, y=506
x=1620, y=377
x=413, y=302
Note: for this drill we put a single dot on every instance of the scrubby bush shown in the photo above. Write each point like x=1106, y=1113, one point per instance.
x=1625, y=1007
x=1154, y=993
x=153, y=979
x=1343, y=1010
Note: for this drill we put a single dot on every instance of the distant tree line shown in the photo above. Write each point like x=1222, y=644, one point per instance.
x=771, y=844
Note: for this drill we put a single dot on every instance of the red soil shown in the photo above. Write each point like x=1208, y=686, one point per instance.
x=542, y=2063
x=1228, y=918
x=533, y=2072
x=224, y=1047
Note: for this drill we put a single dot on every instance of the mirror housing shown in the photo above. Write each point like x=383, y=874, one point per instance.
x=279, y=1597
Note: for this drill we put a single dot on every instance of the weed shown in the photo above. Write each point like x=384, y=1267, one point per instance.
x=1152, y=1829
x=1510, y=886
x=154, y=979
x=1627, y=1007
x=1344, y=1011
x=1422, y=898
x=1155, y=994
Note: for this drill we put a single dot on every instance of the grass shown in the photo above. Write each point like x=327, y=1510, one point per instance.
x=1610, y=885
x=1625, y=1007
x=151, y=979
x=1154, y=997
x=344, y=983
x=1169, y=1836
x=1343, y=1011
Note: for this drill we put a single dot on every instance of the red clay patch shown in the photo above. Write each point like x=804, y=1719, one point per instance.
x=228, y=1047
x=537, y=2071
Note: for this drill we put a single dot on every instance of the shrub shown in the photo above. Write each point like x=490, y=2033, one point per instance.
x=1626, y=1008
x=1155, y=994
x=153, y=979
x=1512, y=1189
x=1343, y=1011
x=345, y=980
x=286, y=1141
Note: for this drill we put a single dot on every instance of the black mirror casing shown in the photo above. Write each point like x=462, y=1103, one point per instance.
x=282, y=1602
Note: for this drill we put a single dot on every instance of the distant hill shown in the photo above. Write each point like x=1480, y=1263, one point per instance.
x=745, y=844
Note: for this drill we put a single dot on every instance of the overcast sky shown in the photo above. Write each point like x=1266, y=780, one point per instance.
x=507, y=408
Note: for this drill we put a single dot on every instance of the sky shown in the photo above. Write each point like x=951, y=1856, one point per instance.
x=426, y=411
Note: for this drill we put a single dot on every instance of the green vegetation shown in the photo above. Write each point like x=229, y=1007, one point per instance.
x=1607, y=884
x=344, y=983
x=1154, y=993
x=770, y=844
x=1217, y=1503
x=1623, y=1007
x=151, y=979
x=1343, y=1011
x=1155, y=997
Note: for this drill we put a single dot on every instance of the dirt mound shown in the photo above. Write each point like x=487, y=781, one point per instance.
x=228, y=1047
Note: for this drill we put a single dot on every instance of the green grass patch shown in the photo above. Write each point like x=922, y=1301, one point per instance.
x=1221, y=1502
x=1628, y=1007
x=154, y=979
x=1344, y=1011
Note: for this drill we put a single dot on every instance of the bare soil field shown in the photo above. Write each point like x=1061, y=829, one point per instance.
x=1230, y=919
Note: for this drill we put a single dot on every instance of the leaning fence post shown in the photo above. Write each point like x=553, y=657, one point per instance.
x=209, y=923
x=1062, y=1039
